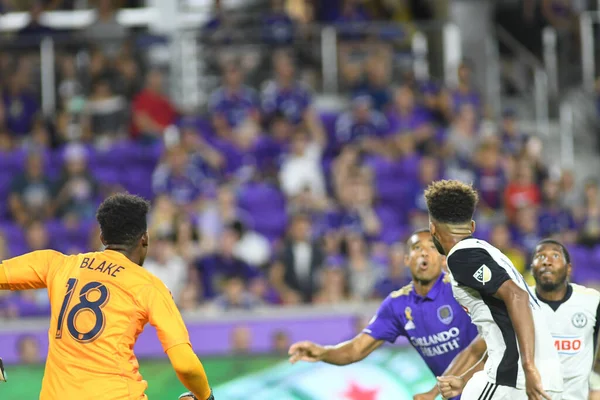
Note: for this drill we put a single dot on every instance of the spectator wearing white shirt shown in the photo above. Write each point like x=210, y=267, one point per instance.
x=251, y=247
x=163, y=262
x=302, y=170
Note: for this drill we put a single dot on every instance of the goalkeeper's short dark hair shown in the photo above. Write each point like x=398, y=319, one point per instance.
x=122, y=219
x=451, y=201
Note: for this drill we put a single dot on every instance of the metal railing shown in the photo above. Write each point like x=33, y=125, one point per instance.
x=540, y=78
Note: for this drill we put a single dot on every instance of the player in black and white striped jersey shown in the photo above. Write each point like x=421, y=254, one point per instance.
x=522, y=361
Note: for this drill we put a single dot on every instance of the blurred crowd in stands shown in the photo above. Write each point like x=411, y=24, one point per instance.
x=263, y=198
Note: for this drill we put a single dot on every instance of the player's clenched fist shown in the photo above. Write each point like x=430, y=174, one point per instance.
x=306, y=351
x=450, y=386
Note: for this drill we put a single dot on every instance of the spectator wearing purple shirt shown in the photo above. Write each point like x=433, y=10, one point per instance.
x=513, y=140
x=526, y=231
x=429, y=171
x=351, y=21
x=424, y=311
x=278, y=26
x=398, y=275
x=233, y=102
x=270, y=149
x=553, y=219
x=376, y=84
x=179, y=178
x=361, y=124
x=214, y=269
x=20, y=104
x=406, y=117
x=464, y=93
x=285, y=95
x=490, y=179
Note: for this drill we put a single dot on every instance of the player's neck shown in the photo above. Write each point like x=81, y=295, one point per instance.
x=553, y=295
x=422, y=288
x=131, y=255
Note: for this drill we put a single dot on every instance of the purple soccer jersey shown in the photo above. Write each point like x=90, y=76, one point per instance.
x=436, y=325
x=291, y=102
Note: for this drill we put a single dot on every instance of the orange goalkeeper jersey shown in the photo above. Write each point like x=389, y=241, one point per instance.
x=100, y=304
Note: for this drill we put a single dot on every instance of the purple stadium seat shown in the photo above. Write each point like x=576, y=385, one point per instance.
x=15, y=238
x=266, y=206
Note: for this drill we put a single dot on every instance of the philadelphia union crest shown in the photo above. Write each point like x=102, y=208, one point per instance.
x=579, y=320
x=445, y=314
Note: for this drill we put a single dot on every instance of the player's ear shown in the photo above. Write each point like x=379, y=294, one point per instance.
x=145, y=239
x=102, y=239
x=473, y=226
x=431, y=227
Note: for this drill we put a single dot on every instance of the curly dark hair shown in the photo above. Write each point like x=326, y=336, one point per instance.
x=122, y=219
x=451, y=202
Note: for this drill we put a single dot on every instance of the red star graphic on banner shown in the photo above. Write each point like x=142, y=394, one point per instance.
x=355, y=392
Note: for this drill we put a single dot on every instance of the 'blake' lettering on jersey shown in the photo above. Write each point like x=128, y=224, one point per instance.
x=438, y=340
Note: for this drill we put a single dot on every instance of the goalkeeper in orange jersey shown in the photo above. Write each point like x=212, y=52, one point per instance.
x=100, y=303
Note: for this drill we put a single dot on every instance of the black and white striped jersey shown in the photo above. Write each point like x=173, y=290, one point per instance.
x=478, y=270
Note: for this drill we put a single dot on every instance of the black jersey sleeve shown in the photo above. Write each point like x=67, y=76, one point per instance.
x=477, y=269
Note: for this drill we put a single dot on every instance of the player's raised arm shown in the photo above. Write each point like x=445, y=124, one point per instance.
x=383, y=327
x=517, y=303
x=343, y=353
x=173, y=335
x=29, y=271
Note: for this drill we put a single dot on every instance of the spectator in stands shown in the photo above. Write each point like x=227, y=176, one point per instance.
x=553, y=218
x=278, y=26
x=30, y=194
x=35, y=30
x=285, y=95
x=397, y=274
x=129, y=80
x=489, y=177
x=106, y=31
x=178, y=178
x=429, y=171
x=215, y=268
x=69, y=83
x=39, y=139
x=271, y=148
x=301, y=259
x=512, y=139
x=20, y=104
x=152, y=111
x=161, y=220
x=218, y=213
x=220, y=28
x=362, y=125
x=280, y=343
x=375, y=84
x=500, y=237
x=363, y=273
x=205, y=156
x=241, y=339
x=233, y=103
x=462, y=138
x=521, y=190
x=164, y=262
x=406, y=117
x=106, y=112
x=187, y=239
x=465, y=93
x=76, y=190
x=526, y=232
x=251, y=247
x=235, y=296
x=571, y=196
x=334, y=286
x=28, y=348
x=302, y=170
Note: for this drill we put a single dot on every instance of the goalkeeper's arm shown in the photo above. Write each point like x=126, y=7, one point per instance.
x=190, y=371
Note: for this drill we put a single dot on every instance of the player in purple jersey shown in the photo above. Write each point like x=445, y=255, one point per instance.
x=424, y=311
